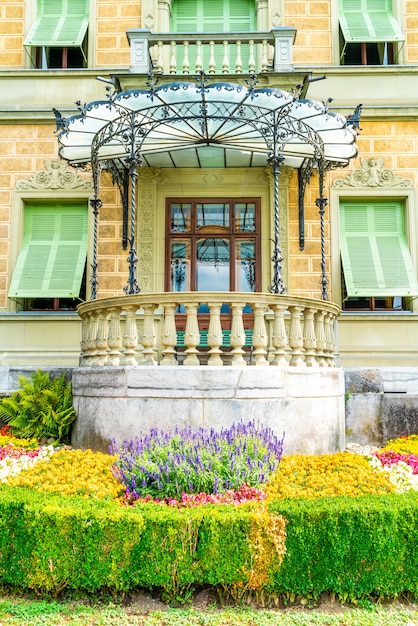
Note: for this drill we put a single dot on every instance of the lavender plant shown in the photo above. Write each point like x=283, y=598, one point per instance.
x=166, y=464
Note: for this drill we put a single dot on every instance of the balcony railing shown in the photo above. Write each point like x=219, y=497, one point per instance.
x=147, y=329
x=215, y=53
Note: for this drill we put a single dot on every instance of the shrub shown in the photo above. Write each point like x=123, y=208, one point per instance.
x=351, y=546
x=42, y=409
x=168, y=464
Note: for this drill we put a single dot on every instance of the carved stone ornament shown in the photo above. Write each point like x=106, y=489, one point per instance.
x=56, y=175
x=372, y=174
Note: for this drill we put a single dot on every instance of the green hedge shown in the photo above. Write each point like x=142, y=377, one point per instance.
x=353, y=547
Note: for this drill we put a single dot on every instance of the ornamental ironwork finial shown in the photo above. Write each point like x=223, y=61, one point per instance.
x=60, y=120
x=252, y=82
x=354, y=119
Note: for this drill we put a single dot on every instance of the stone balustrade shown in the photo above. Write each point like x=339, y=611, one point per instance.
x=215, y=53
x=169, y=329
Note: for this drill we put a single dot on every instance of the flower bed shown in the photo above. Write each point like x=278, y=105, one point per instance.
x=310, y=525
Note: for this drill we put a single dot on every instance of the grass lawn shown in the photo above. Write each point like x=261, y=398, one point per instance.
x=25, y=612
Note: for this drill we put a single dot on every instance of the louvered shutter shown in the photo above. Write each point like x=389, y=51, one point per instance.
x=365, y=21
x=53, y=252
x=374, y=250
x=216, y=16
x=59, y=23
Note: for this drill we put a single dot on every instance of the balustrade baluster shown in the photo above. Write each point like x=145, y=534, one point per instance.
x=237, y=336
x=173, y=60
x=148, y=335
x=115, y=337
x=296, y=336
x=320, y=339
x=199, y=62
x=130, y=338
x=85, y=328
x=101, y=339
x=91, y=339
x=279, y=335
x=169, y=338
x=329, y=339
x=309, y=338
x=264, y=56
x=225, y=60
x=215, y=336
x=159, y=62
x=191, y=335
x=212, y=64
x=251, y=58
x=186, y=62
x=259, y=335
x=238, y=60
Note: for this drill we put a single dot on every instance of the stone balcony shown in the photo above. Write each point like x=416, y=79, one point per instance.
x=208, y=328
x=215, y=53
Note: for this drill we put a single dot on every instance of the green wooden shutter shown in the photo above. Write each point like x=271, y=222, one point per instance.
x=59, y=23
x=365, y=21
x=216, y=16
x=374, y=250
x=53, y=252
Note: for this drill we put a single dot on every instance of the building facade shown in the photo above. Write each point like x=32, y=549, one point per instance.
x=66, y=54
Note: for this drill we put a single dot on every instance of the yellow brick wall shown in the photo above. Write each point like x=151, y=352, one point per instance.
x=397, y=144
x=312, y=18
x=411, y=31
x=114, y=18
x=23, y=150
x=12, y=16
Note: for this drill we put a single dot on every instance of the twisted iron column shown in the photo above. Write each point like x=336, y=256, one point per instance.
x=277, y=285
x=132, y=285
x=95, y=203
x=321, y=203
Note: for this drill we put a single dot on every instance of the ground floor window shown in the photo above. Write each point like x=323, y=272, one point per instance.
x=378, y=271
x=50, y=272
x=213, y=245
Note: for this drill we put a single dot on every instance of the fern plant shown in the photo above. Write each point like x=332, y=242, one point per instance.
x=42, y=409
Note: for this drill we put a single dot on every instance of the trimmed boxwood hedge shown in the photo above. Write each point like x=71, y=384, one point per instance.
x=353, y=547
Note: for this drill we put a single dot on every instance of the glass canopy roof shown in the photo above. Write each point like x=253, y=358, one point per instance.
x=185, y=124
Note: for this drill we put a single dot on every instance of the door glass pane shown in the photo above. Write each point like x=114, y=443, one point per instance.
x=245, y=265
x=180, y=217
x=212, y=214
x=245, y=217
x=180, y=265
x=212, y=264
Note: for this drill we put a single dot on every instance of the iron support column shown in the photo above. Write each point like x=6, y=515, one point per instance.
x=321, y=203
x=277, y=285
x=132, y=285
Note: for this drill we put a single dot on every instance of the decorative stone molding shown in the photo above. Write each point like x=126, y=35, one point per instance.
x=149, y=176
x=372, y=174
x=212, y=179
x=56, y=175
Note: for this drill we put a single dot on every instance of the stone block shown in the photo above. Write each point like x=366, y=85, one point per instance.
x=399, y=415
x=363, y=380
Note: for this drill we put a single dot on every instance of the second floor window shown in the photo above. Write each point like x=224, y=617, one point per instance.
x=58, y=37
x=369, y=32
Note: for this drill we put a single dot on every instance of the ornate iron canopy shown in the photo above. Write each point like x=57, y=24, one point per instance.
x=174, y=125
x=186, y=124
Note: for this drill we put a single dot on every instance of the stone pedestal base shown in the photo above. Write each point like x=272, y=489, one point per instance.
x=306, y=404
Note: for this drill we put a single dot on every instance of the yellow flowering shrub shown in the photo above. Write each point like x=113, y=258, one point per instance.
x=301, y=476
x=29, y=444
x=73, y=472
x=403, y=445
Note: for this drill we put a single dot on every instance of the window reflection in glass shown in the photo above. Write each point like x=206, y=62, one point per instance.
x=212, y=266
x=180, y=266
x=245, y=217
x=212, y=214
x=180, y=217
x=245, y=265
